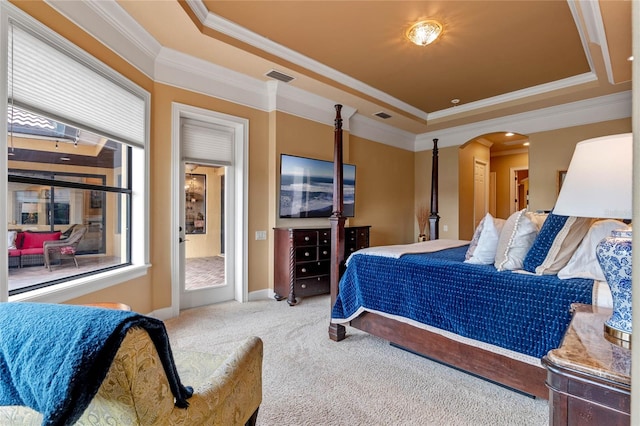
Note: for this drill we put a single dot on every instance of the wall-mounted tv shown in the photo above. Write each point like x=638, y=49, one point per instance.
x=306, y=187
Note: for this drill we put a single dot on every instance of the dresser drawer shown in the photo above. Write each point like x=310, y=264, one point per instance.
x=324, y=237
x=304, y=254
x=324, y=252
x=312, y=286
x=310, y=269
x=305, y=238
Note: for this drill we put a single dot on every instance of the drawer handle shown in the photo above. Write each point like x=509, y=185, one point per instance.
x=304, y=269
x=326, y=241
x=319, y=278
x=306, y=238
x=303, y=286
x=319, y=264
x=306, y=253
x=352, y=238
x=324, y=252
x=351, y=249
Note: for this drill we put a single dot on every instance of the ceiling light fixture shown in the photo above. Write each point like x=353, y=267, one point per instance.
x=424, y=32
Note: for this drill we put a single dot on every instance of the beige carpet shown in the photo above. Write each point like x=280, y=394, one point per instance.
x=311, y=380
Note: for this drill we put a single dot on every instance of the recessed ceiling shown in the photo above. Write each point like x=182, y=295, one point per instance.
x=492, y=55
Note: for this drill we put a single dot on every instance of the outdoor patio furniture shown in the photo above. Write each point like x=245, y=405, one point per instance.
x=65, y=248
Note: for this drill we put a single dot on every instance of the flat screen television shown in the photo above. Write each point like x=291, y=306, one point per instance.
x=306, y=187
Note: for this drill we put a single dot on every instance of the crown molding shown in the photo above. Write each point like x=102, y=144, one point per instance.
x=113, y=27
x=368, y=128
x=514, y=96
x=177, y=69
x=594, y=110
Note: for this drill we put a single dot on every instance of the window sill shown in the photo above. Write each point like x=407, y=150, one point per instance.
x=63, y=292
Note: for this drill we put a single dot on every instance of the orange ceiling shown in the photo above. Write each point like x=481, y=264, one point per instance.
x=493, y=55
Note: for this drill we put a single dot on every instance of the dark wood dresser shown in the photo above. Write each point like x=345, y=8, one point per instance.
x=302, y=259
x=589, y=378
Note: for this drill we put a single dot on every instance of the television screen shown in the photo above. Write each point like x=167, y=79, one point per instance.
x=306, y=187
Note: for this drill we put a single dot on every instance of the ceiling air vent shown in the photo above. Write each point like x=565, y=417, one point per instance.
x=382, y=115
x=277, y=75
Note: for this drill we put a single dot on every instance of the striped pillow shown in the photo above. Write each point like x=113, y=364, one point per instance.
x=557, y=241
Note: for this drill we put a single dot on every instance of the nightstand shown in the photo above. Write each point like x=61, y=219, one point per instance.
x=589, y=378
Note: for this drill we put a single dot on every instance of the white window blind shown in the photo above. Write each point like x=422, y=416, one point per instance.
x=51, y=80
x=206, y=141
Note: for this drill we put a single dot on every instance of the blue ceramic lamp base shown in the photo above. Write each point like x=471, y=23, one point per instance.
x=614, y=255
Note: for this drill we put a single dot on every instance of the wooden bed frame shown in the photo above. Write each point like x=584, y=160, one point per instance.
x=498, y=368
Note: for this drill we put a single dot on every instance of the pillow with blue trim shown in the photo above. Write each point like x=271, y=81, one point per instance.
x=558, y=239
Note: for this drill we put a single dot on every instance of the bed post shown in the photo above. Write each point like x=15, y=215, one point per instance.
x=434, y=219
x=337, y=331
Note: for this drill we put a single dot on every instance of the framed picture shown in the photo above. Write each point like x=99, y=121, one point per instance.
x=195, y=188
x=561, y=175
x=95, y=199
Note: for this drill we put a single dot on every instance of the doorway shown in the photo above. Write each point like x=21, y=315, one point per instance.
x=209, y=210
x=205, y=263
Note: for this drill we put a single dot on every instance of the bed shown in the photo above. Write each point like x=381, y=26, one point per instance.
x=491, y=322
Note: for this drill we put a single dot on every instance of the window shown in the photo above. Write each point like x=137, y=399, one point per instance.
x=75, y=132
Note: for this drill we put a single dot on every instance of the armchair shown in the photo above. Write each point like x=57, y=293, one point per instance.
x=227, y=389
x=64, y=248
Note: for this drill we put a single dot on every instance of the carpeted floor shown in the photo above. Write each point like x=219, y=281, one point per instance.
x=311, y=380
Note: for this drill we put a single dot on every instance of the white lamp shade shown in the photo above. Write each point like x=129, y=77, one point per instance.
x=599, y=179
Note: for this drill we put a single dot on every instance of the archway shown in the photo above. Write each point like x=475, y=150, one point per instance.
x=506, y=156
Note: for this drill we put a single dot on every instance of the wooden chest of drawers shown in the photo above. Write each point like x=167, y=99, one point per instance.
x=302, y=261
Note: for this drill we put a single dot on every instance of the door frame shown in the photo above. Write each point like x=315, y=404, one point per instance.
x=241, y=170
x=513, y=192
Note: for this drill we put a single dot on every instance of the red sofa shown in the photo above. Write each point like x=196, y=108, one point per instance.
x=28, y=249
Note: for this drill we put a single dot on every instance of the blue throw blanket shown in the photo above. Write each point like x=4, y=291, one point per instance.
x=524, y=313
x=53, y=358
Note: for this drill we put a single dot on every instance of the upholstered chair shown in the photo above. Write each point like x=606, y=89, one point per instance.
x=227, y=388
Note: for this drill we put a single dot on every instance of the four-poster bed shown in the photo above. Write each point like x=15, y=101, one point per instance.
x=505, y=367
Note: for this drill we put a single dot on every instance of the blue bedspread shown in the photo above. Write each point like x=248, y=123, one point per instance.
x=523, y=313
x=53, y=358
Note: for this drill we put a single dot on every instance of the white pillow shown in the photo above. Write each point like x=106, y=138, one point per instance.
x=485, y=251
x=11, y=239
x=516, y=238
x=583, y=263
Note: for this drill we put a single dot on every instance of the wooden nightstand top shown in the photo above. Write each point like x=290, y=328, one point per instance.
x=585, y=349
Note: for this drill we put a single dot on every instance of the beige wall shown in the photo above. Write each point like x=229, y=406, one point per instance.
x=448, y=182
x=384, y=191
x=551, y=151
x=502, y=166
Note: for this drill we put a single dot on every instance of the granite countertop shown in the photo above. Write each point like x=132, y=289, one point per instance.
x=585, y=348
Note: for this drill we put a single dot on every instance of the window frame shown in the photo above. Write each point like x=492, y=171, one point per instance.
x=140, y=162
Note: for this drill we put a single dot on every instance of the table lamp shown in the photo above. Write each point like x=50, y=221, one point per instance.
x=598, y=184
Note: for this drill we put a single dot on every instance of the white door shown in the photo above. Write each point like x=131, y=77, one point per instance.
x=209, y=213
x=480, y=191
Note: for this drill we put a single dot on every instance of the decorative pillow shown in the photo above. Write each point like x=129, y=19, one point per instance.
x=538, y=218
x=583, y=263
x=474, y=240
x=12, y=240
x=557, y=241
x=484, y=253
x=516, y=239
